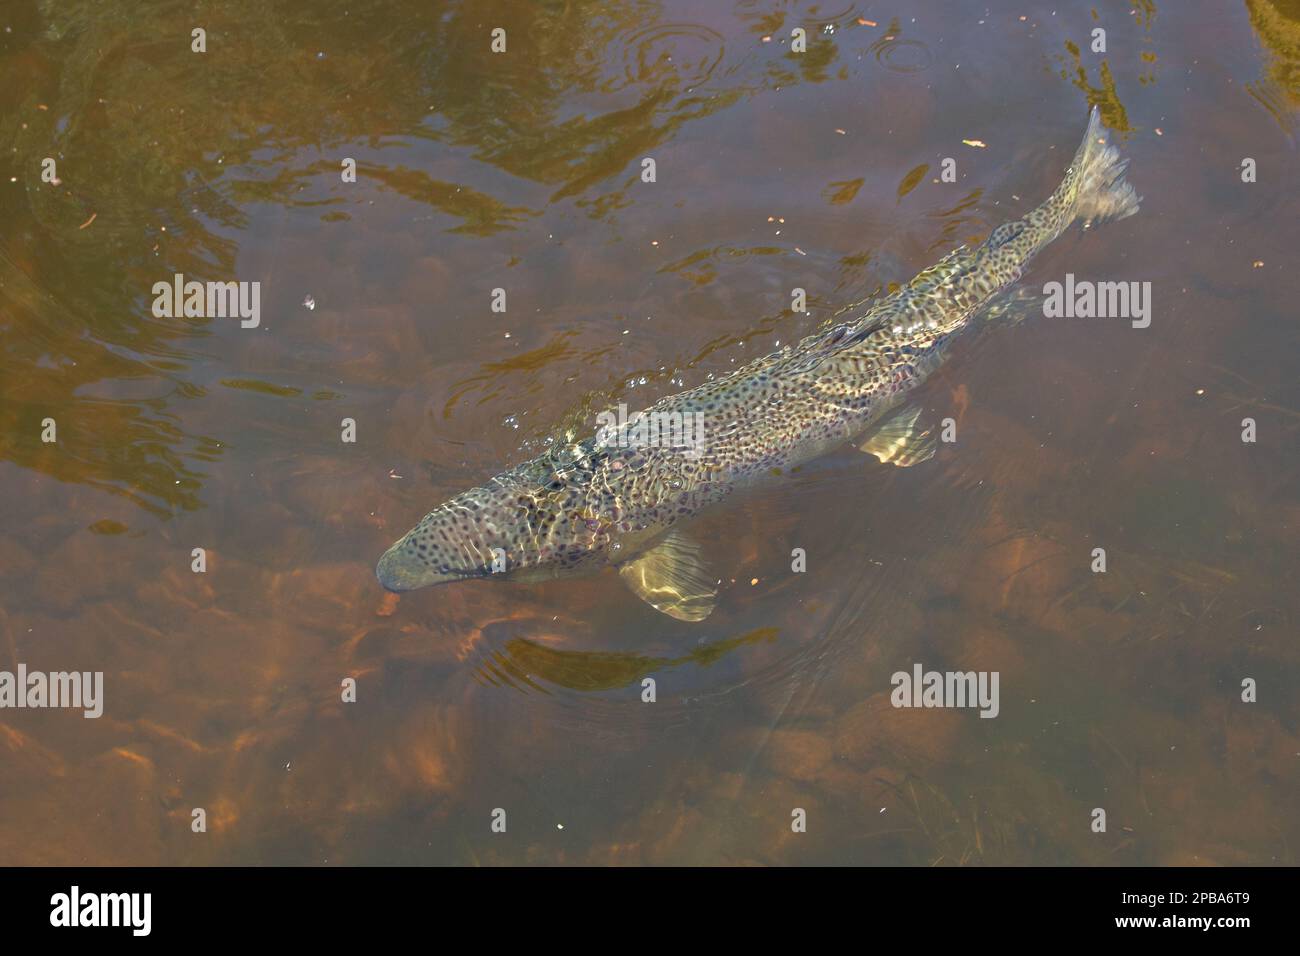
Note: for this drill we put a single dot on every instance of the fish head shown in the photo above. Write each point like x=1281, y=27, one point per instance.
x=532, y=520
x=423, y=556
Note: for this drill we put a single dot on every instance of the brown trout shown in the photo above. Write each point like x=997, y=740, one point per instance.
x=619, y=498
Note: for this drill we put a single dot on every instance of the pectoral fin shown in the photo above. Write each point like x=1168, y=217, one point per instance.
x=671, y=577
x=1013, y=307
x=901, y=440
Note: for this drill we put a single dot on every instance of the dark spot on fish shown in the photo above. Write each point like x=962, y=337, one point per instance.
x=1004, y=234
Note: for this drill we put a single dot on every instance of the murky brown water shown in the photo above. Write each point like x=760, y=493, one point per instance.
x=774, y=170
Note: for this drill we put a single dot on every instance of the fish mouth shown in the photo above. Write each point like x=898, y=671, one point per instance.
x=397, y=573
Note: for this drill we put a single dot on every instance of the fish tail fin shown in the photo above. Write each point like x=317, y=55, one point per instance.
x=1095, y=189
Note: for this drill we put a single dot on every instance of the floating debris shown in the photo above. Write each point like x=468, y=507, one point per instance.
x=88, y=221
x=978, y=144
x=310, y=303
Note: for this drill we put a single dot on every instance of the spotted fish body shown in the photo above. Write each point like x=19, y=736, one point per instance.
x=598, y=502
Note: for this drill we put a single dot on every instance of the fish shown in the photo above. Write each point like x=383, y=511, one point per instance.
x=623, y=497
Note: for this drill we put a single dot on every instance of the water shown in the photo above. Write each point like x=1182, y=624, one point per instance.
x=522, y=171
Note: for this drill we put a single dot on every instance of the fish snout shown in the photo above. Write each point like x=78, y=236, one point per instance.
x=391, y=573
x=399, y=570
